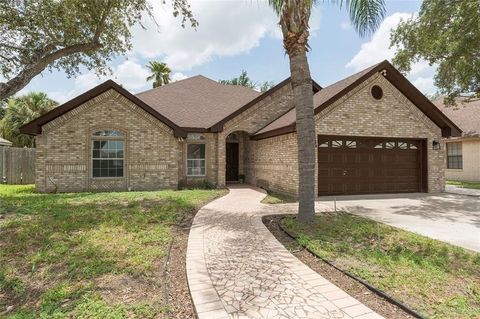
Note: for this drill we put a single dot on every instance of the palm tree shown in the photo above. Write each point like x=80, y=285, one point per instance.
x=20, y=111
x=160, y=73
x=294, y=15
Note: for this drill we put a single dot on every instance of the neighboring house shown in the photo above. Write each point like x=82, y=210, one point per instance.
x=463, y=153
x=376, y=134
x=4, y=142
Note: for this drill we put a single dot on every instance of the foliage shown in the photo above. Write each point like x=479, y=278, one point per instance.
x=445, y=33
x=38, y=35
x=435, y=278
x=294, y=15
x=465, y=184
x=160, y=73
x=244, y=80
x=59, y=252
x=20, y=111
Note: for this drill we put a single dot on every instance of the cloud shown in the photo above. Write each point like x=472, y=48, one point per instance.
x=177, y=76
x=227, y=28
x=345, y=26
x=378, y=49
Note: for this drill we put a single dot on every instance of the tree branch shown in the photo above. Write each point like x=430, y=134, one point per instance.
x=18, y=82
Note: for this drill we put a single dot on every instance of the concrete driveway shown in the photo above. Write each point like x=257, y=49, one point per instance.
x=447, y=217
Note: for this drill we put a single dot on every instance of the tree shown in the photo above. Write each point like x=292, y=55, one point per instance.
x=38, y=35
x=445, y=33
x=20, y=111
x=160, y=73
x=244, y=80
x=294, y=15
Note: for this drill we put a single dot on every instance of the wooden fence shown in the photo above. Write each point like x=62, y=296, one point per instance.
x=17, y=165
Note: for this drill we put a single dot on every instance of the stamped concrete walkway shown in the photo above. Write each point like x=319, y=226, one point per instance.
x=237, y=269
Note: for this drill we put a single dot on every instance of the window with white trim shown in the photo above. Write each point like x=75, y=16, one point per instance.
x=454, y=155
x=195, y=159
x=108, y=151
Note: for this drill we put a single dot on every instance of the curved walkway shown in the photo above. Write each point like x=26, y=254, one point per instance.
x=237, y=269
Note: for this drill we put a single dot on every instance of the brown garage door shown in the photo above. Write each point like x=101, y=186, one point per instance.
x=357, y=165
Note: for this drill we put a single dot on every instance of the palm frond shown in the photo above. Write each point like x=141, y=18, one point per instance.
x=277, y=6
x=365, y=15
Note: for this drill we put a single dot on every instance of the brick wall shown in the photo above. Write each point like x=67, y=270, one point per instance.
x=63, y=155
x=355, y=114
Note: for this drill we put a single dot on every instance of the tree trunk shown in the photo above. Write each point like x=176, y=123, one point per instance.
x=303, y=101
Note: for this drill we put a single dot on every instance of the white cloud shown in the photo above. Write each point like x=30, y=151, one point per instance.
x=130, y=74
x=345, y=26
x=378, y=49
x=177, y=76
x=226, y=28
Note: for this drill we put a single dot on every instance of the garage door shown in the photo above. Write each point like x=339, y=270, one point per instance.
x=357, y=165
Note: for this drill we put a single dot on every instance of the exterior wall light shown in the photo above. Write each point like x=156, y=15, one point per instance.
x=435, y=145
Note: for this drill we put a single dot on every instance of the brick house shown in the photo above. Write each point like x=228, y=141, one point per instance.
x=376, y=134
x=463, y=152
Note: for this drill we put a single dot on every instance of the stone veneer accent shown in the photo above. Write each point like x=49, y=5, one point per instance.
x=63, y=153
x=273, y=161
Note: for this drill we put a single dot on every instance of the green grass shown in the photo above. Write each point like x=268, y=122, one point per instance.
x=58, y=252
x=276, y=198
x=436, y=279
x=473, y=185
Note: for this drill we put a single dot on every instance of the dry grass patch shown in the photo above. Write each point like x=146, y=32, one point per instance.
x=89, y=254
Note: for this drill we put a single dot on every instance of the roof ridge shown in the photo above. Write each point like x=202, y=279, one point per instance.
x=172, y=83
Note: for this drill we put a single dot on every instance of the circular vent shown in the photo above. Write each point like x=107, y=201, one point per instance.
x=377, y=92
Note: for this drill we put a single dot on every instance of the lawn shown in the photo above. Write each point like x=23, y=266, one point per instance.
x=473, y=185
x=434, y=278
x=277, y=198
x=88, y=255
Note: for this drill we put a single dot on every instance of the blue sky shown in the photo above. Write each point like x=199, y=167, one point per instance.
x=243, y=34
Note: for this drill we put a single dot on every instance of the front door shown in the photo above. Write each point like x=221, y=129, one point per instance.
x=232, y=162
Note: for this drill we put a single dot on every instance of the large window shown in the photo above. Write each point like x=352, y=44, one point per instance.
x=454, y=155
x=108, y=154
x=196, y=159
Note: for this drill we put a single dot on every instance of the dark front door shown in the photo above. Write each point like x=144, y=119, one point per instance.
x=232, y=162
x=355, y=165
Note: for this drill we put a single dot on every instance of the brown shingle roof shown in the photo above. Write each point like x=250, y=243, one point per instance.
x=466, y=114
x=319, y=98
x=197, y=102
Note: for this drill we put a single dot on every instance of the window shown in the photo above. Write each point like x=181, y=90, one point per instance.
x=454, y=155
x=107, y=154
x=376, y=92
x=196, y=160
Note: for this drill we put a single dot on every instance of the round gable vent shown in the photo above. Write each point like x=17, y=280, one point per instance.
x=377, y=92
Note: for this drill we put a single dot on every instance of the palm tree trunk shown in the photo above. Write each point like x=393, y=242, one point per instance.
x=303, y=100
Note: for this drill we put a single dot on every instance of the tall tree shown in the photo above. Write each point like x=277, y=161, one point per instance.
x=243, y=79
x=38, y=35
x=294, y=15
x=445, y=33
x=20, y=111
x=160, y=73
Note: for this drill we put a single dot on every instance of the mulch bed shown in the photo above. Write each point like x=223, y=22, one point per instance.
x=349, y=285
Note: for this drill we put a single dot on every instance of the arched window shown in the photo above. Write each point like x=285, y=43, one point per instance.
x=108, y=151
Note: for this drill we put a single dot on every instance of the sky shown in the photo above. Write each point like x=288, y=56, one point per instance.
x=236, y=35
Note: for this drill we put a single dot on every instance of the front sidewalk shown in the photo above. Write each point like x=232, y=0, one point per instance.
x=237, y=269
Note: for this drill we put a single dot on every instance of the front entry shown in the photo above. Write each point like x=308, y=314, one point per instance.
x=232, y=162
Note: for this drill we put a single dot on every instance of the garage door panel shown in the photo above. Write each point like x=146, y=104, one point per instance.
x=349, y=165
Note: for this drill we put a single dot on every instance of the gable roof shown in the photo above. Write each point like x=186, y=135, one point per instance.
x=466, y=114
x=197, y=102
x=329, y=94
x=35, y=127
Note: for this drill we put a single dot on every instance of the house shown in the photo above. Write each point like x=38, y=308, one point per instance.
x=463, y=152
x=376, y=134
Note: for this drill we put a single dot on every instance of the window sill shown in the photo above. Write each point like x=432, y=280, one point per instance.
x=455, y=169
